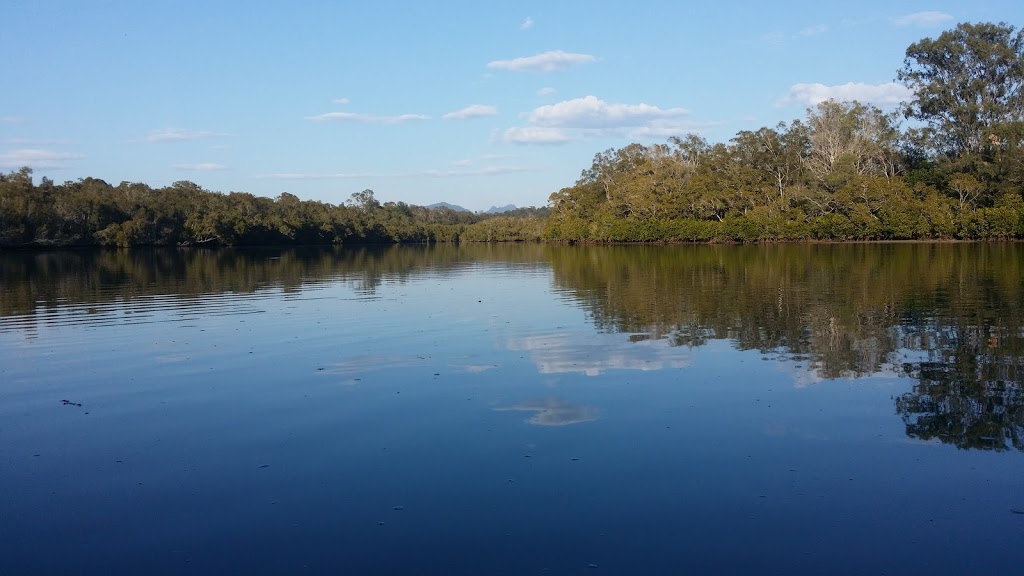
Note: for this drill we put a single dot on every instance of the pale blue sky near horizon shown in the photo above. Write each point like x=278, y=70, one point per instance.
x=476, y=104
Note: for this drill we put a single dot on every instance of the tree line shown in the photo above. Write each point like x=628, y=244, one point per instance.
x=948, y=164
x=90, y=211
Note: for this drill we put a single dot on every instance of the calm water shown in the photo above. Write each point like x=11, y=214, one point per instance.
x=513, y=410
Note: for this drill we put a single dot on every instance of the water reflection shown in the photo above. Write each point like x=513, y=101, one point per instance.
x=567, y=353
x=553, y=412
x=949, y=316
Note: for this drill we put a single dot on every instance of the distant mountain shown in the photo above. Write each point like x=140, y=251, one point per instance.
x=455, y=207
x=500, y=209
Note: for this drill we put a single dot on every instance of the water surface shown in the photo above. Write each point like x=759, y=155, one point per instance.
x=516, y=409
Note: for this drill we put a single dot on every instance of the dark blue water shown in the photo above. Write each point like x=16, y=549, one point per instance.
x=513, y=410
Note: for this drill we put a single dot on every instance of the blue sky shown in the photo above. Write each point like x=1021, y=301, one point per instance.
x=465, y=102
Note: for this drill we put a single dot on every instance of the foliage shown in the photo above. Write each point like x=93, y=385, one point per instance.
x=92, y=212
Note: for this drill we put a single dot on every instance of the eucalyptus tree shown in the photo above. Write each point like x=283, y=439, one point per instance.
x=968, y=87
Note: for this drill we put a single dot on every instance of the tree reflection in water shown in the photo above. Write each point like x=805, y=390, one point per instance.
x=948, y=315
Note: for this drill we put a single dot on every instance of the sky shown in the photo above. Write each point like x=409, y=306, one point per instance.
x=473, y=103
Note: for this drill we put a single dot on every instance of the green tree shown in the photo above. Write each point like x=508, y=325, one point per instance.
x=967, y=86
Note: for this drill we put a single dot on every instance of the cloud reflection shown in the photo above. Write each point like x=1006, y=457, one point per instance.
x=566, y=353
x=553, y=412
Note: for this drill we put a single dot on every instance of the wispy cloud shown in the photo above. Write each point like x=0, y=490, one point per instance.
x=178, y=135
x=546, y=91
x=552, y=61
x=535, y=135
x=592, y=112
x=341, y=101
x=200, y=167
x=367, y=118
x=590, y=117
x=527, y=24
x=887, y=94
x=473, y=111
x=923, y=19
x=462, y=163
x=12, y=120
x=36, y=158
x=814, y=30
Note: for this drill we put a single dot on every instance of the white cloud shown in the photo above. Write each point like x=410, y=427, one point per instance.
x=922, y=19
x=178, y=134
x=591, y=117
x=36, y=158
x=11, y=120
x=814, y=30
x=367, y=118
x=200, y=167
x=592, y=112
x=527, y=24
x=546, y=91
x=461, y=163
x=342, y=101
x=887, y=94
x=535, y=135
x=552, y=61
x=473, y=111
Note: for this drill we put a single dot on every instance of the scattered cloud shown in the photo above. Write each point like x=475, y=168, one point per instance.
x=592, y=112
x=473, y=111
x=923, y=19
x=590, y=117
x=527, y=24
x=341, y=101
x=773, y=38
x=178, y=135
x=367, y=118
x=200, y=167
x=546, y=91
x=463, y=162
x=551, y=61
x=814, y=30
x=535, y=135
x=36, y=158
x=12, y=120
x=886, y=94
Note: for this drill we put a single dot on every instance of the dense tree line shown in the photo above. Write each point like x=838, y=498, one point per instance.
x=92, y=212
x=845, y=171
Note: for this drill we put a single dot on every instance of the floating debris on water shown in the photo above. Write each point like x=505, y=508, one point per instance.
x=70, y=403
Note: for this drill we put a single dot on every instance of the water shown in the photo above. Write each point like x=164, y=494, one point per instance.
x=525, y=409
